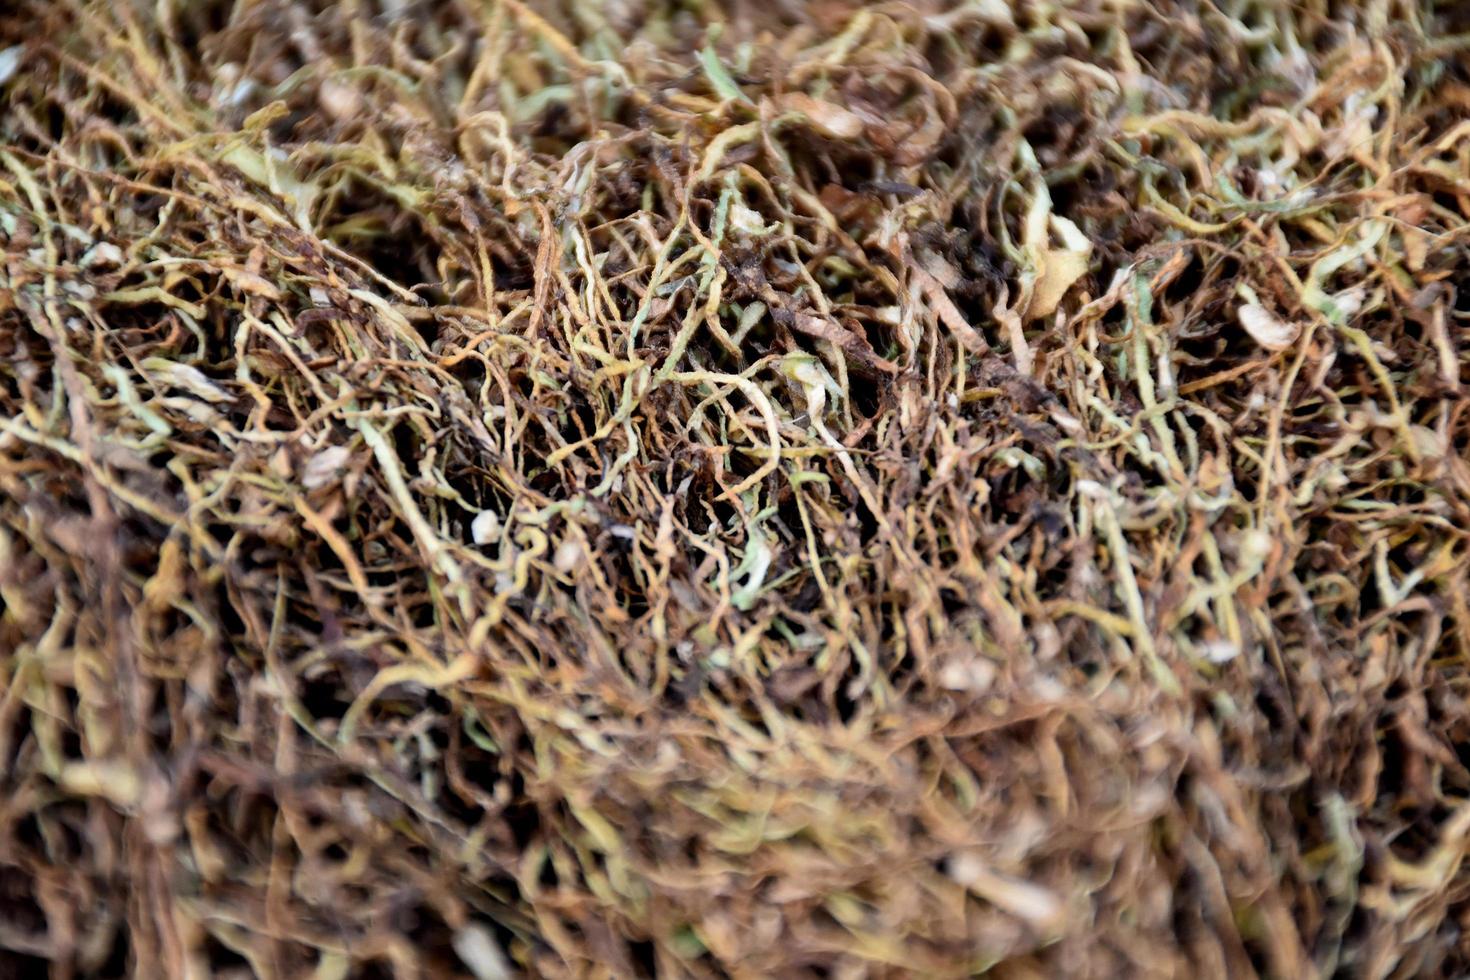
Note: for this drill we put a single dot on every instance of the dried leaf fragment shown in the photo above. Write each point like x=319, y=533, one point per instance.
x=9, y=63
x=114, y=781
x=1030, y=902
x=1060, y=269
x=828, y=118
x=252, y=283
x=324, y=467
x=477, y=949
x=187, y=377
x=485, y=527
x=1266, y=328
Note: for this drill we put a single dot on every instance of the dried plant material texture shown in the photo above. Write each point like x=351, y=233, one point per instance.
x=324, y=467
x=648, y=489
x=485, y=527
x=1059, y=271
x=10, y=59
x=1266, y=328
x=478, y=950
x=828, y=118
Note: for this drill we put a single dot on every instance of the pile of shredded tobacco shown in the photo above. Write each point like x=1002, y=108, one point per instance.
x=677, y=488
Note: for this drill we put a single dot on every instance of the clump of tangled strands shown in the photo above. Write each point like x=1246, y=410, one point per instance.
x=748, y=489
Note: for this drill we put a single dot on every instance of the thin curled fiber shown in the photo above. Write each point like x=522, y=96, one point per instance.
x=493, y=488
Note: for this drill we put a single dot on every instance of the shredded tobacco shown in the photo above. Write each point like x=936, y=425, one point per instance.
x=748, y=489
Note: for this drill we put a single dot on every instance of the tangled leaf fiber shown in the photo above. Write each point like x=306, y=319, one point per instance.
x=747, y=489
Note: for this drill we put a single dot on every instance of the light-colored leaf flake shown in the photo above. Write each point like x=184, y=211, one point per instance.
x=1266, y=328
x=324, y=467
